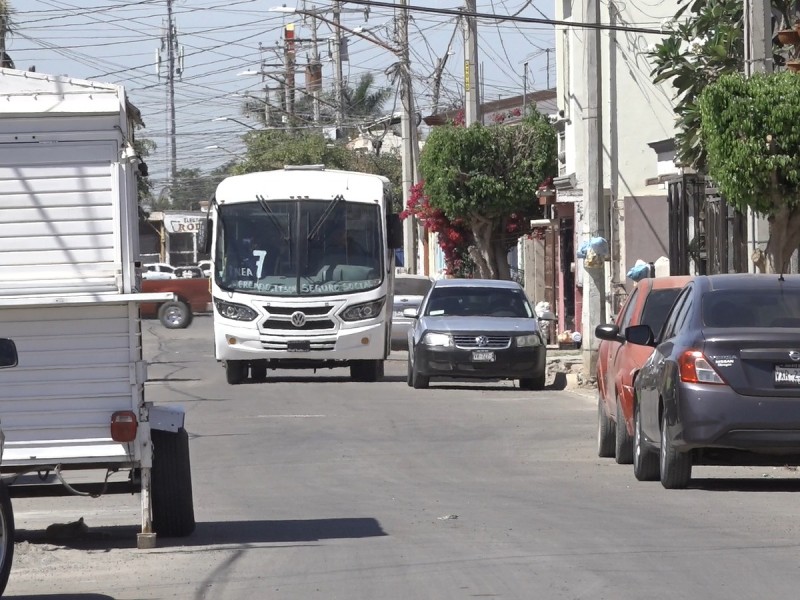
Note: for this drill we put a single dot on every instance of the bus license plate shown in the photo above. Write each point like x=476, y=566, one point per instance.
x=482, y=356
x=299, y=346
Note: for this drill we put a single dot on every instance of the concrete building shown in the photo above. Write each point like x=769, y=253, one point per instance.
x=637, y=151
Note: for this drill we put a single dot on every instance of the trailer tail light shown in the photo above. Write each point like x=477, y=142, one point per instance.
x=123, y=426
x=694, y=368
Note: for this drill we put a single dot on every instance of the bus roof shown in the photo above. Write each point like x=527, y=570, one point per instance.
x=312, y=181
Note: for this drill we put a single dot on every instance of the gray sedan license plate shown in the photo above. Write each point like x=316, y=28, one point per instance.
x=787, y=375
x=482, y=356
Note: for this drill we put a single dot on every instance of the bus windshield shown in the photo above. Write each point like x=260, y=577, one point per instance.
x=299, y=247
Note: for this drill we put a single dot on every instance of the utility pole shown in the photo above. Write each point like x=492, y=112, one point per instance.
x=437, y=74
x=171, y=44
x=288, y=60
x=757, y=59
x=593, y=190
x=409, y=140
x=315, y=70
x=472, y=113
x=524, y=90
x=337, y=65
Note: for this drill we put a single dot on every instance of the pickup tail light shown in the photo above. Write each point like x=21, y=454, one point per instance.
x=695, y=368
x=123, y=426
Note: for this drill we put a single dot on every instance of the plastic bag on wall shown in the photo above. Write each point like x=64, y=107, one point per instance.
x=599, y=247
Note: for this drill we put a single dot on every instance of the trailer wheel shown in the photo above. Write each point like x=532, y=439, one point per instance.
x=175, y=315
x=235, y=371
x=6, y=536
x=173, y=508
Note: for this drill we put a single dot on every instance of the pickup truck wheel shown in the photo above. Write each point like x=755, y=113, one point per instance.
x=175, y=315
x=6, y=537
x=173, y=508
x=235, y=371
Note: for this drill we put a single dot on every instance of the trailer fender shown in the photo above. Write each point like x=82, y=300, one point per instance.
x=166, y=418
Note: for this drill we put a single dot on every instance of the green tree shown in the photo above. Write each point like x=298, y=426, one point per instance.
x=703, y=45
x=144, y=147
x=751, y=136
x=487, y=177
x=274, y=149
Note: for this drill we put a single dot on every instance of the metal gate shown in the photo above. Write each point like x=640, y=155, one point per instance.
x=706, y=235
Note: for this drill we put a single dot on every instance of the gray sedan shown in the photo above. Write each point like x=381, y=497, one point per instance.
x=476, y=328
x=723, y=383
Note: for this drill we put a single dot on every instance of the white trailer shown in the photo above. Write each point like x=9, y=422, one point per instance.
x=74, y=406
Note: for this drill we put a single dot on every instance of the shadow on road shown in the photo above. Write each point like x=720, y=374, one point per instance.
x=218, y=533
x=745, y=485
x=61, y=597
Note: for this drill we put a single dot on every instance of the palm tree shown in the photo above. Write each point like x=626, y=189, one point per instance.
x=361, y=100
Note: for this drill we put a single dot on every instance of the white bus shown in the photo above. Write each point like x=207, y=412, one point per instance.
x=303, y=262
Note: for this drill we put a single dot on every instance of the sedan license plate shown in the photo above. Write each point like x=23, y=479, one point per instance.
x=787, y=375
x=482, y=356
x=298, y=346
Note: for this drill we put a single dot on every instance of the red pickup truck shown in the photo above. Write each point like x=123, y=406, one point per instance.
x=192, y=296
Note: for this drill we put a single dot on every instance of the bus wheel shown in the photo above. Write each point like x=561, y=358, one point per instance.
x=366, y=370
x=258, y=370
x=6, y=537
x=235, y=371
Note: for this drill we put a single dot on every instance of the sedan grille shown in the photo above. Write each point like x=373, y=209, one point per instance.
x=490, y=342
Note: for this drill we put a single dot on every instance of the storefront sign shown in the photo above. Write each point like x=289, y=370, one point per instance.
x=184, y=222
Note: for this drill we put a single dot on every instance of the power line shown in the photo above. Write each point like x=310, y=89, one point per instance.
x=493, y=17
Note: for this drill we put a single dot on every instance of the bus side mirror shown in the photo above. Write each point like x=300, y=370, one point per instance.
x=8, y=353
x=205, y=235
x=394, y=230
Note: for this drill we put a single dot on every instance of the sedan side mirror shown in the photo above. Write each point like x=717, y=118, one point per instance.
x=608, y=332
x=410, y=313
x=640, y=335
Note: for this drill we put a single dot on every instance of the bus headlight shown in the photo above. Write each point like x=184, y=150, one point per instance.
x=526, y=341
x=360, y=312
x=237, y=312
x=437, y=339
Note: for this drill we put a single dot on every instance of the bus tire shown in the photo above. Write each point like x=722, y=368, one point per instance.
x=235, y=371
x=366, y=370
x=171, y=484
x=258, y=370
x=7, y=539
x=175, y=315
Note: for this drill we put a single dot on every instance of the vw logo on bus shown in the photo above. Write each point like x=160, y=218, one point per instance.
x=298, y=318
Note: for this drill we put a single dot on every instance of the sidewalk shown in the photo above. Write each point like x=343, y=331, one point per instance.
x=565, y=371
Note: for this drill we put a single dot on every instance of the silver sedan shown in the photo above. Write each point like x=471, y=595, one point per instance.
x=476, y=328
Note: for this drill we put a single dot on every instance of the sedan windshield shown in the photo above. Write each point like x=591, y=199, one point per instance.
x=478, y=301
x=299, y=247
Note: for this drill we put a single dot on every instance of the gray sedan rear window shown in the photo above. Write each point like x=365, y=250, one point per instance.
x=751, y=308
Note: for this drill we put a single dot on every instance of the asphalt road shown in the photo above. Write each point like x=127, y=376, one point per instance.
x=311, y=486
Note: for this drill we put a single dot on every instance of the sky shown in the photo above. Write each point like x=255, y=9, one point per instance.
x=117, y=41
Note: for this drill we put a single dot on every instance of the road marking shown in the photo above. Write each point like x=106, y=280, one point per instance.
x=289, y=416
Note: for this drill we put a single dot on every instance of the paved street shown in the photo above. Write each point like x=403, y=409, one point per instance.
x=311, y=486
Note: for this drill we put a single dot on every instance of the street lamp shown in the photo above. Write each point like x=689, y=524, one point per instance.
x=235, y=121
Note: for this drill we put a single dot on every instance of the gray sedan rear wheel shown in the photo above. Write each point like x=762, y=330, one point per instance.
x=676, y=467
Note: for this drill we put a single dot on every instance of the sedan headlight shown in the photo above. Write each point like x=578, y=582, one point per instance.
x=526, y=341
x=237, y=312
x=437, y=339
x=361, y=312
